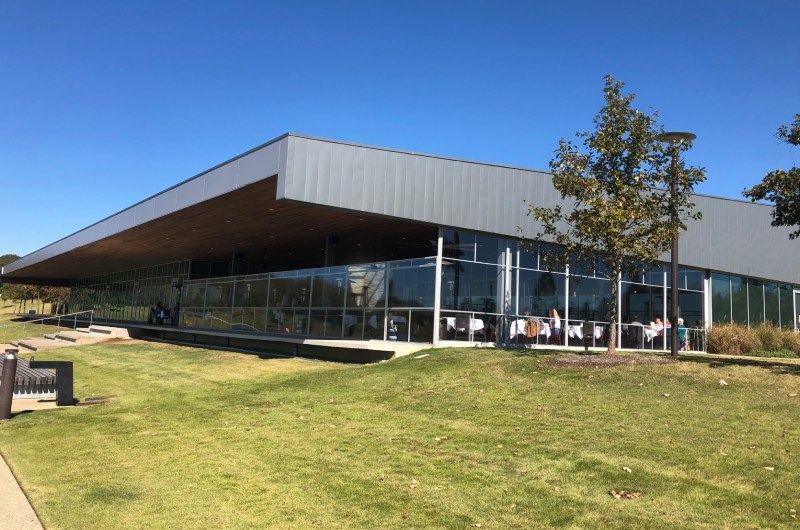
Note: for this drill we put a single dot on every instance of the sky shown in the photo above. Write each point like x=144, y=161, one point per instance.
x=103, y=104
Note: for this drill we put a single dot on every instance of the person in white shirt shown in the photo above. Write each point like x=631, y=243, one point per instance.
x=555, y=324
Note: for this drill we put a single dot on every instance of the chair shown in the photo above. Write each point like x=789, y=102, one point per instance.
x=588, y=333
x=462, y=325
x=635, y=336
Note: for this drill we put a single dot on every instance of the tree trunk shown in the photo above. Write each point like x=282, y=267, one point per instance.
x=612, y=318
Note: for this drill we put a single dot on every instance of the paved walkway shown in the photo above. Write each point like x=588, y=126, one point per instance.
x=15, y=510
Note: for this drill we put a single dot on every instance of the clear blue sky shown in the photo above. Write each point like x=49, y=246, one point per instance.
x=105, y=103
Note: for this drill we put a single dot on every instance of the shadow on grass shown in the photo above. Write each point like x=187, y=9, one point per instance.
x=773, y=366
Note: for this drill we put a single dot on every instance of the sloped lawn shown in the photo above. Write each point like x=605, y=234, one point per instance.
x=460, y=437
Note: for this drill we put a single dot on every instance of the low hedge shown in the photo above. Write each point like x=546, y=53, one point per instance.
x=761, y=341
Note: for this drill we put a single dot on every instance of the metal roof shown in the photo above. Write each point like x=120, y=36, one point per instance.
x=734, y=236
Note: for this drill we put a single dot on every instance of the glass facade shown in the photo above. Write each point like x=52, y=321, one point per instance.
x=130, y=295
x=392, y=300
x=751, y=301
x=492, y=289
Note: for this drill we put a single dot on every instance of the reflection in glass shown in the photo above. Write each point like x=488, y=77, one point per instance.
x=739, y=299
x=471, y=286
x=458, y=244
x=411, y=286
x=589, y=299
x=541, y=291
x=721, y=298
x=787, y=306
x=755, y=299
x=641, y=303
x=771, y=303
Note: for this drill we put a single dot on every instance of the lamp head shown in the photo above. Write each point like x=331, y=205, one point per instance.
x=675, y=137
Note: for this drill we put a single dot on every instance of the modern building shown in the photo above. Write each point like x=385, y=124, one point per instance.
x=310, y=238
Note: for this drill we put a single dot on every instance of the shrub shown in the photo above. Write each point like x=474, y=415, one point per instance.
x=770, y=337
x=790, y=341
x=762, y=341
x=731, y=339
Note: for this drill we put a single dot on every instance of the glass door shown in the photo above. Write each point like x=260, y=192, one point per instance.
x=797, y=310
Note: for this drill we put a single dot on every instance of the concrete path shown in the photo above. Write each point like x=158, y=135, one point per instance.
x=15, y=510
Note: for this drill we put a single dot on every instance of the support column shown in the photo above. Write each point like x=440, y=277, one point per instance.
x=507, y=309
x=565, y=323
x=619, y=311
x=437, y=286
x=707, y=314
x=664, y=314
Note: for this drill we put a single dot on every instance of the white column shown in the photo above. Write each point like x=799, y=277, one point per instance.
x=507, y=309
x=565, y=323
x=619, y=311
x=516, y=286
x=437, y=285
x=664, y=314
x=708, y=317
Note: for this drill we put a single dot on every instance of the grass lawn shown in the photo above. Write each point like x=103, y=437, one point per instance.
x=10, y=330
x=462, y=437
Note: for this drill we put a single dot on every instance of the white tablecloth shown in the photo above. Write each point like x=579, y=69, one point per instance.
x=475, y=324
x=576, y=331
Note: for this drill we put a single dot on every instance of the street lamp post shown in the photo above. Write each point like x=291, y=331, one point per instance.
x=674, y=139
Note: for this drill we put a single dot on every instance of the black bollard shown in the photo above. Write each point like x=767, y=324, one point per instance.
x=7, y=385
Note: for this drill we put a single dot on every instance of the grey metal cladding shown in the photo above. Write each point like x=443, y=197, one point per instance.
x=734, y=236
x=259, y=163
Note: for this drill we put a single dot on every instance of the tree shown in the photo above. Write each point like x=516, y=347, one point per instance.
x=5, y=259
x=621, y=212
x=55, y=296
x=782, y=186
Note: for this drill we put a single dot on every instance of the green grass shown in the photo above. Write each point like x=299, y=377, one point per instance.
x=12, y=331
x=202, y=438
x=785, y=354
x=12, y=307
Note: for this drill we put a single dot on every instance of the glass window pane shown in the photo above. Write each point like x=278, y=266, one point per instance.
x=365, y=286
x=690, y=307
x=589, y=299
x=641, y=303
x=421, y=326
x=755, y=298
x=329, y=290
x=771, y=303
x=412, y=286
x=251, y=293
x=721, y=298
x=458, y=244
x=541, y=291
x=471, y=286
x=787, y=307
x=489, y=249
x=219, y=294
x=528, y=257
x=289, y=292
x=550, y=258
x=739, y=299
x=397, y=326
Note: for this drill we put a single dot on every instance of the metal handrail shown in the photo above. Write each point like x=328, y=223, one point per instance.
x=56, y=318
x=232, y=323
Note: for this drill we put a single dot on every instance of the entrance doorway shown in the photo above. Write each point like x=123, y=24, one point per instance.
x=797, y=310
